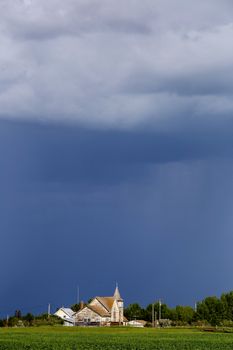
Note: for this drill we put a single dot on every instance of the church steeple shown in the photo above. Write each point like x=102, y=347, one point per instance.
x=117, y=295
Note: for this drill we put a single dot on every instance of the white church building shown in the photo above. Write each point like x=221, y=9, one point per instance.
x=102, y=311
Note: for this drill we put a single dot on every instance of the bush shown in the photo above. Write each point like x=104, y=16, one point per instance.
x=226, y=323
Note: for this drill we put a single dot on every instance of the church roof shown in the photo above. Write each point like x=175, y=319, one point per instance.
x=98, y=310
x=107, y=302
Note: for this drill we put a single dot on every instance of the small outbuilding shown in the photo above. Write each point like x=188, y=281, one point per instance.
x=137, y=323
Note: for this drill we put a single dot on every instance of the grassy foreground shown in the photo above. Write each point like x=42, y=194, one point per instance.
x=62, y=338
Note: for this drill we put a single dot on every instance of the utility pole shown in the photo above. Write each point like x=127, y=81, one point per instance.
x=160, y=304
x=153, y=314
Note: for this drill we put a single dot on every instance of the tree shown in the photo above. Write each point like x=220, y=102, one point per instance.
x=18, y=314
x=212, y=310
x=227, y=305
x=184, y=313
x=13, y=321
x=29, y=318
x=77, y=307
x=134, y=311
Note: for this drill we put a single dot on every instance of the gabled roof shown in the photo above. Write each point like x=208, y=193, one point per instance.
x=69, y=312
x=107, y=302
x=98, y=310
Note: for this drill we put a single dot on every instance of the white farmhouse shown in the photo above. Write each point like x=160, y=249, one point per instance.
x=103, y=311
x=67, y=315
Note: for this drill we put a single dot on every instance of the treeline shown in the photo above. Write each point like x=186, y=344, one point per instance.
x=212, y=310
x=28, y=320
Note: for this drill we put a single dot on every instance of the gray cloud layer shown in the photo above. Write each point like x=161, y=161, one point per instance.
x=116, y=64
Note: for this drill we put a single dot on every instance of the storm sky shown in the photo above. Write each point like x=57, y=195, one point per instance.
x=116, y=140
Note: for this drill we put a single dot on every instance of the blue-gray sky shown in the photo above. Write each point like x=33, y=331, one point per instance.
x=116, y=140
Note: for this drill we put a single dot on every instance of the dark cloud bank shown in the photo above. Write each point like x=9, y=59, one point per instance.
x=149, y=209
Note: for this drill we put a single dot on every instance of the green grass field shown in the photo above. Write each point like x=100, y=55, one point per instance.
x=62, y=338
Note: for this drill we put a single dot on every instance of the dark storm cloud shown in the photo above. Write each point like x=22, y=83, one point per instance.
x=112, y=157
x=183, y=84
x=50, y=153
x=69, y=190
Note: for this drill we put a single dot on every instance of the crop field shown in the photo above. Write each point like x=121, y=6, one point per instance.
x=62, y=338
